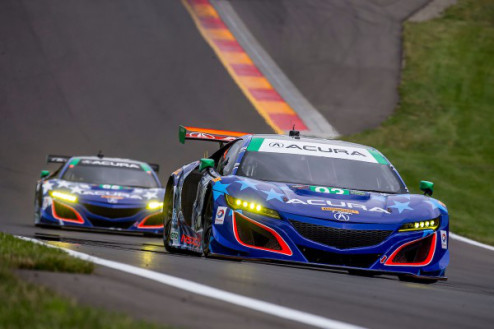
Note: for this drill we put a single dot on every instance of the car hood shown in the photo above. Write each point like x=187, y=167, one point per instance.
x=108, y=194
x=328, y=203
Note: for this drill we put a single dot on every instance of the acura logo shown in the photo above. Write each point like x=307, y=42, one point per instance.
x=341, y=216
x=200, y=135
x=276, y=144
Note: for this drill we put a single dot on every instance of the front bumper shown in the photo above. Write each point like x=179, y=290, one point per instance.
x=101, y=217
x=369, y=247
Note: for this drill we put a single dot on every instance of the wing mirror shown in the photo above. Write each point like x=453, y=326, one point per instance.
x=44, y=173
x=427, y=187
x=206, y=163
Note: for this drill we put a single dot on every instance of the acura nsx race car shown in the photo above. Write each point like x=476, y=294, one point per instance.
x=304, y=200
x=100, y=193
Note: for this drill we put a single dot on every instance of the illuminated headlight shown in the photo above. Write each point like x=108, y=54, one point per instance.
x=431, y=224
x=63, y=196
x=253, y=207
x=155, y=205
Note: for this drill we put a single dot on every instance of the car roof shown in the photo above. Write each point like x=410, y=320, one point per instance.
x=311, y=140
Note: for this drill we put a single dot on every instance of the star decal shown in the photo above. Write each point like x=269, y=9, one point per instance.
x=47, y=186
x=150, y=195
x=76, y=190
x=272, y=194
x=246, y=184
x=220, y=187
x=216, y=195
x=400, y=206
x=63, y=183
x=435, y=204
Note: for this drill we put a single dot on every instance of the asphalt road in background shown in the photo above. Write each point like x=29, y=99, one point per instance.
x=120, y=76
x=343, y=55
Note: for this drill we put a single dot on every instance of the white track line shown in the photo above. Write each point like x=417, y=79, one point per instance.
x=315, y=121
x=207, y=291
x=469, y=241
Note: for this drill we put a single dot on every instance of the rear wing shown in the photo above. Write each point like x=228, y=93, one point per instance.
x=209, y=135
x=50, y=158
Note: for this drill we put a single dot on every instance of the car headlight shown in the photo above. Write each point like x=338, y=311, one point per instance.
x=63, y=196
x=253, y=207
x=154, y=205
x=431, y=224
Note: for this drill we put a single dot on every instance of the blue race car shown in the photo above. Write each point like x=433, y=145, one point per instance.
x=100, y=193
x=307, y=201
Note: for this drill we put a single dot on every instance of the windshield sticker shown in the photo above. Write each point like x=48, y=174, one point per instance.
x=329, y=190
x=108, y=163
x=311, y=148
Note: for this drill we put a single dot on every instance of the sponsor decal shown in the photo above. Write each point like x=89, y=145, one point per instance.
x=110, y=187
x=342, y=216
x=220, y=215
x=199, y=135
x=190, y=240
x=174, y=236
x=444, y=239
x=329, y=190
x=340, y=210
x=109, y=163
x=383, y=259
x=315, y=149
x=337, y=205
x=217, y=179
x=108, y=194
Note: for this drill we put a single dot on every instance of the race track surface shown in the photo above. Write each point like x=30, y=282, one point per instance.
x=120, y=76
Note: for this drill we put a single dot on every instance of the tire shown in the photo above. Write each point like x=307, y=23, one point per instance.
x=166, y=237
x=207, y=225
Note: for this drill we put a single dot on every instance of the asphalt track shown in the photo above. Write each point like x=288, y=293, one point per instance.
x=77, y=77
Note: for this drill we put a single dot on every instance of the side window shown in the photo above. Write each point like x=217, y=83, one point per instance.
x=227, y=160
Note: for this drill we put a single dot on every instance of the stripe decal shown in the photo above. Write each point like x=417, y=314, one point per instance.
x=265, y=99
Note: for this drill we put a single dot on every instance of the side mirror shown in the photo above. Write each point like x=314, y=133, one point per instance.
x=427, y=187
x=206, y=163
x=44, y=173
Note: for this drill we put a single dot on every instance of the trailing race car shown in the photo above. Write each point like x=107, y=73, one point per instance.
x=304, y=200
x=100, y=193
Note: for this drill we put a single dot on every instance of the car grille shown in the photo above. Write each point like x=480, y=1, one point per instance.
x=111, y=224
x=340, y=238
x=331, y=258
x=111, y=212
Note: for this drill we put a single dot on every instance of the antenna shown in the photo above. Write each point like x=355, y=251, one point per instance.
x=294, y=133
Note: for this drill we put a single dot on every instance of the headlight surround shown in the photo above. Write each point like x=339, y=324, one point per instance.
x=64, y=196
x=155, y=205
x=252, y=207
x=431, y=224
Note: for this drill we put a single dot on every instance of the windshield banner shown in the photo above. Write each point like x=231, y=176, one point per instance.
x=314, y=149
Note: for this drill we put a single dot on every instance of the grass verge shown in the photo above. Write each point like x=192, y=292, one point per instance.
x=443, y=129
x=24, y=305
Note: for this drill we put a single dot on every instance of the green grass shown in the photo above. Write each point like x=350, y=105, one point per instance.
x=443, y=129
x=24, y=305
x=17, y=253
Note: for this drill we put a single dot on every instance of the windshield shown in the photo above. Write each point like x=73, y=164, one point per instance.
x=321, y=171
x=110, y=175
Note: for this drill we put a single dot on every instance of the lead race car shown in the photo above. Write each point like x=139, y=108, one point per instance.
x=99, y=193
x=304, y=200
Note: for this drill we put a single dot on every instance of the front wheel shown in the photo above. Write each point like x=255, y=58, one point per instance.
x=207, y=226
x=166, y=237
